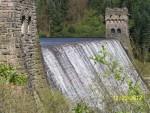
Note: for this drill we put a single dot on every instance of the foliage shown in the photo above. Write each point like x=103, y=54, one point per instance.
x=89, y=26
x=8, y=75
x=50, y=16
x=55, y=102
x=57, y=12
x=76, y=10
x=99, y=6
x=43, y=19
x=113, y=67
x=134, y=89
x=59, y=17
x=82, y=108
x=18, y=79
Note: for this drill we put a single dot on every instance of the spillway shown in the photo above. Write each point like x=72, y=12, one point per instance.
x=70, y=68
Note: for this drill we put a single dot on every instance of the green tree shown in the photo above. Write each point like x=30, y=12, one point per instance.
x=57, y=10
x=134, y=89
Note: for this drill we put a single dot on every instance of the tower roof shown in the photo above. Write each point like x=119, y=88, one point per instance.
x=116, y=11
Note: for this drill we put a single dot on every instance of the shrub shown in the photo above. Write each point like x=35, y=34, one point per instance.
x=8, y=75
x=134, y=90
x=82, y=108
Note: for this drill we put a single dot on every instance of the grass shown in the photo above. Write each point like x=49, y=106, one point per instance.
x=16, y=97
x=143, y=68
x=19, y=99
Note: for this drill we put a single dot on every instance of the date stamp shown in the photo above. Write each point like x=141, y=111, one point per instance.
x=131, y=98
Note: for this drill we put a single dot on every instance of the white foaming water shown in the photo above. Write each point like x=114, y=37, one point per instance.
x=71, y=70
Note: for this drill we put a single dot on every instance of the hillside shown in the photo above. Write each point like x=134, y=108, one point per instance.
x=82, y=18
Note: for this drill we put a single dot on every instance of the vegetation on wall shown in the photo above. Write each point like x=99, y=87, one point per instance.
x=8, y=75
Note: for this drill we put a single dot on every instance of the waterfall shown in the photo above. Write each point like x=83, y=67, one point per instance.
x=71, y=70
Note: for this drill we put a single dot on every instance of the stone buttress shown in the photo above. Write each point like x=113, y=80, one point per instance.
x=19, y=44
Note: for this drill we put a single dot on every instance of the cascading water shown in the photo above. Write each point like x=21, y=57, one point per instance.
x=71, y=70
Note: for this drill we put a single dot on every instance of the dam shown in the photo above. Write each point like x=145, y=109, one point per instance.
x=70, y=69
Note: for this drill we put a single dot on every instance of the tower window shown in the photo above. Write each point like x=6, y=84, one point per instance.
x=23, y=24
x=119, y=30
x=29, y=24
x=112, y=30
x=29, y=19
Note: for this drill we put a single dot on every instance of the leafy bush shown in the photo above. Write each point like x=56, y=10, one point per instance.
x=134, y=89
x=8, y=75
x=82, y=108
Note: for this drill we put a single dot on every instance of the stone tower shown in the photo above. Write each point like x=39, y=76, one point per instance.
x=117, y=25
x=17, y=32
x=19, y=45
